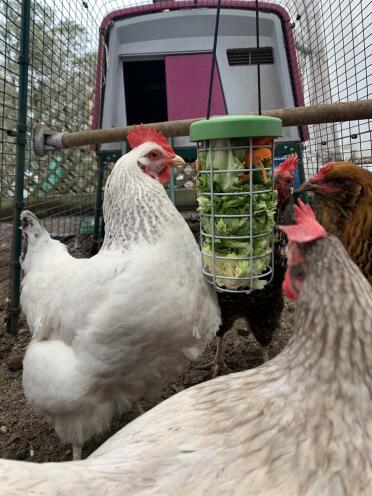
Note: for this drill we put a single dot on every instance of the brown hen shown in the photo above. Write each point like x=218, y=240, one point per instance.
x=345, y=193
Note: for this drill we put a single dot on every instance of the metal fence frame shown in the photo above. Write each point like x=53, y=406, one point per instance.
x=24, y=61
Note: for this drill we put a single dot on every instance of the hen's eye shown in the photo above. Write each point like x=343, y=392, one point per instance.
x=298, y=271
x=154, y=155
x=340, y=181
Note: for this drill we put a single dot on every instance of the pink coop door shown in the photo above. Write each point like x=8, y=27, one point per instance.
x=187, y=82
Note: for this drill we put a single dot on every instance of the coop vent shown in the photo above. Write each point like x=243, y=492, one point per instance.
x=249, y=56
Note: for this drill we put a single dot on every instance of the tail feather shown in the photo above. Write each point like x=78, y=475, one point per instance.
x=32, y=229
x=30, y=224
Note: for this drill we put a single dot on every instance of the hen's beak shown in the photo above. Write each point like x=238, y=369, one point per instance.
x=308, y=186
x=177, y=160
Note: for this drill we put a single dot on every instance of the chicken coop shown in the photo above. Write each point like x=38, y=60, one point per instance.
x=79, y=65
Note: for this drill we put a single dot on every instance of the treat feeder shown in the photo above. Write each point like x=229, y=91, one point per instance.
x=237, y=199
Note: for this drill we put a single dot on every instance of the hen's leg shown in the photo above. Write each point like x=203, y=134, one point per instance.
x=265, y=354
x=76, y=451
x=218, y=365
x=228, y=316
x=264, y=347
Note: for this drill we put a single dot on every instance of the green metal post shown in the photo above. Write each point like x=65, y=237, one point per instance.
x=172, y=190
x=98, y=205
x=24, y=62
x=296, y=194
x=301, y=157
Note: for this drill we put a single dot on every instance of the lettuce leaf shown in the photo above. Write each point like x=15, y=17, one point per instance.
x=235, y=268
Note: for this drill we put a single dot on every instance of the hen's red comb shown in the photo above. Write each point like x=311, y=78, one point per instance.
x=142, y=134
x=322, y=172
x=288, y=166
x=307, y=228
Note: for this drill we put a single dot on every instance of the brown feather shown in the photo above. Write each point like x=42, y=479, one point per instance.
x=346, y=211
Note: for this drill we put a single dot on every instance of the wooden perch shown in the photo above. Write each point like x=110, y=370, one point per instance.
x=45, y=139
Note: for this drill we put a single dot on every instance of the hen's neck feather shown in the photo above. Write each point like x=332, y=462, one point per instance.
x=333, y=331
x=353, y=227
x=357, y=237
x=136, y=208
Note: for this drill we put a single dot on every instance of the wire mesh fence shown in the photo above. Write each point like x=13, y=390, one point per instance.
x=333, y=46
x=61, y=187
x=9, y=51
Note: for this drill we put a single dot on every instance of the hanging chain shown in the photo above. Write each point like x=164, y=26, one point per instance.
x=258, y=59
x=213, y=59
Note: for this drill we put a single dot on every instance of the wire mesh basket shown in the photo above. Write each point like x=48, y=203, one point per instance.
x=237, y=200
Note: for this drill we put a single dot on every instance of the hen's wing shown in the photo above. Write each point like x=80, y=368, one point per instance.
x=59, y=292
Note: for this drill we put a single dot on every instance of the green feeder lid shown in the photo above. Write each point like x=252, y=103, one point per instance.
x=236, y=126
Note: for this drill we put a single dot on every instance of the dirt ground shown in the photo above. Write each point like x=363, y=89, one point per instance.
x=26, y=436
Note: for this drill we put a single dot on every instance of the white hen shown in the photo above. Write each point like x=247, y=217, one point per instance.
x=114, y=328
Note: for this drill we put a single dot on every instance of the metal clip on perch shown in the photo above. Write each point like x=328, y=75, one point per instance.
x=46, y=140
x=237, y=200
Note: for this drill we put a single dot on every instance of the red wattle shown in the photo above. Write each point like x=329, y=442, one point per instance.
x=164, y=175
x=287, y=287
